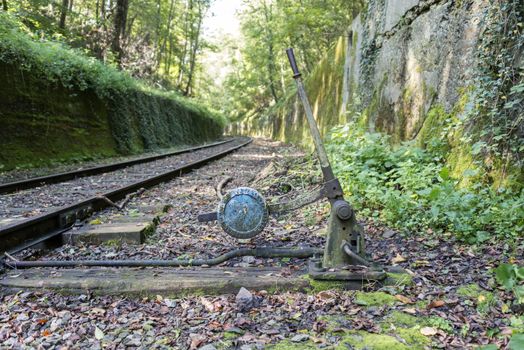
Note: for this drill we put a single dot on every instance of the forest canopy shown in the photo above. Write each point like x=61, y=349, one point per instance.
x=157, y=40
x=163, y=41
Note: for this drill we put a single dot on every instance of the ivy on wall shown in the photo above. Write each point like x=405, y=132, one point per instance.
x=499, y=95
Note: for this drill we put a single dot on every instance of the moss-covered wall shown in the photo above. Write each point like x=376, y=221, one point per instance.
x=42, y=122
x=406, y=69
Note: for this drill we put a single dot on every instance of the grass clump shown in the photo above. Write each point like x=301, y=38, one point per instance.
x=401, y=319
x=288, y=345
x=316, y=286
x=398, y=330
x=470, y=290
x=399, y=279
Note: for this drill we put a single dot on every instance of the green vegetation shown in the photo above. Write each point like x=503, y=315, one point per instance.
x=399, y=279
x=66, y=106
x=261, y=78
x=483, y=299
x=365, y=340
x=287, y=345
x=400, y=319
x=374, y=299
x=285, y=120
x=156, y=40
x=411, y=188
x=317, y=286
x=511, y=277
x=498, y=97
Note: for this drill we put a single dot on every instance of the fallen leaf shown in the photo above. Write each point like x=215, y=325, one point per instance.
x=435, y=304
x=207, y=304
x=403, y=299
x=169, y=302
x=196, y=340
x=214, y=325
x=99, y=335
x=326, y=295
x=505, y=308
x=46, y=333
x=428, y=331
x=398, y=259
x=410, y=311
x=97, y=311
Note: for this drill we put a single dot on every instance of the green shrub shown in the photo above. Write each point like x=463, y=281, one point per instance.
x=511, y=277
x=411, y=188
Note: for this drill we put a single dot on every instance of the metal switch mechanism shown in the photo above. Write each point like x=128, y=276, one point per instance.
x=243, y=213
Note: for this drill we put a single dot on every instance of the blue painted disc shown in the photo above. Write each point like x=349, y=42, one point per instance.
x=243, y=213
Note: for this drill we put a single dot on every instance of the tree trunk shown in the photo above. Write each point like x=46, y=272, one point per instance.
x=63, y=14
x=122, y=7
x=158, y=34
x=271, y=55
x=168, y=34
x=183, y=55
x=194, y=49
x=4, y=5
x=97, y=11
x=103, y=10
x=169, y=55
x=192, y=59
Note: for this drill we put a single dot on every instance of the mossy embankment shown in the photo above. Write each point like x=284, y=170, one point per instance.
x=57, y=105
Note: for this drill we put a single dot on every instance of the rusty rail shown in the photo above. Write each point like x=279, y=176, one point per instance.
x=48, y=226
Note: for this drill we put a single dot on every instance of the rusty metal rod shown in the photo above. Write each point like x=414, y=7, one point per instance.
x=11, y=187
x=354, y=256
x=262, y=252
x=315, y=133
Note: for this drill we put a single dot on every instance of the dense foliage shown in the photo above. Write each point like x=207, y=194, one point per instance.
x=499, y=86
x=55, y=62
x=261, y=75
x=159, y=40
x=511, y=277
x=411, y=189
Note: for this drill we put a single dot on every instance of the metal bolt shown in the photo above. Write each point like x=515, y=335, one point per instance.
x=343, y=210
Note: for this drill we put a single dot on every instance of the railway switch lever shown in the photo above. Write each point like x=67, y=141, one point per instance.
x=243, y=213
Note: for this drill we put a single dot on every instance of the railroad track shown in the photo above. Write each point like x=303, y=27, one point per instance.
x=50, y=205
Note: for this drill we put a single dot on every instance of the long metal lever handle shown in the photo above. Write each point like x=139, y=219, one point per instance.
x=293, y=62
x=315, y=133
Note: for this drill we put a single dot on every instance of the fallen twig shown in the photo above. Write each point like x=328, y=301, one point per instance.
x=126, y=200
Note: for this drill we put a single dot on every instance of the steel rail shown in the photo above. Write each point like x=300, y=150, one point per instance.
x=46, y=226
x=14, y=186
